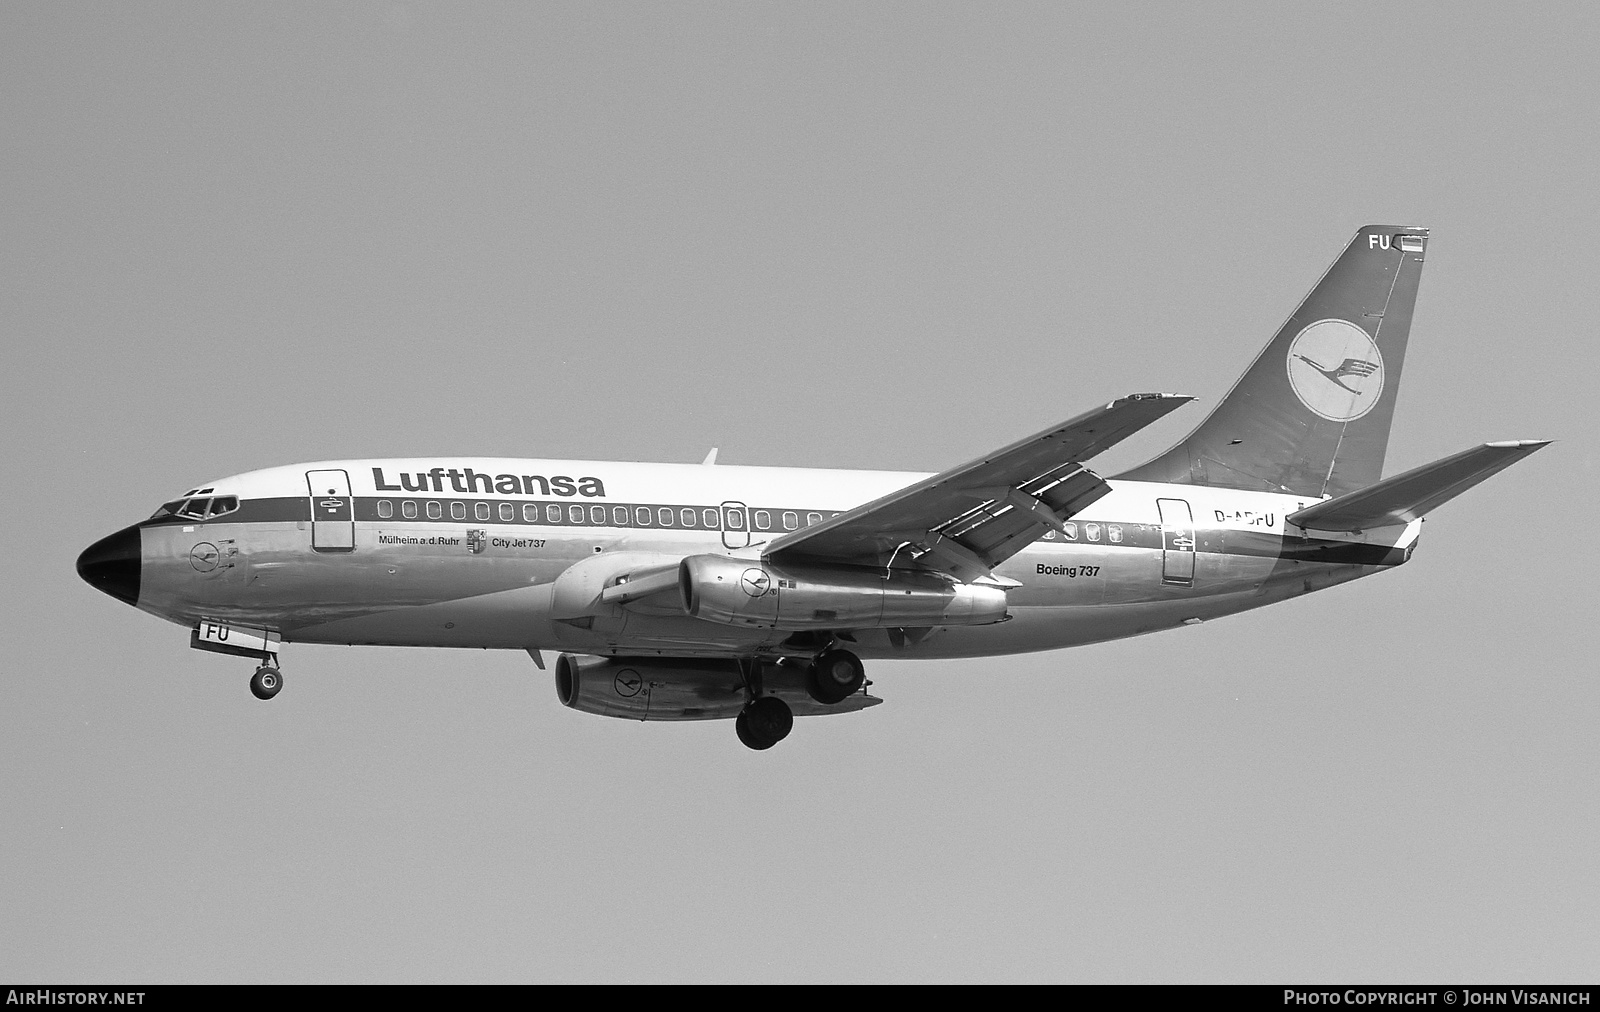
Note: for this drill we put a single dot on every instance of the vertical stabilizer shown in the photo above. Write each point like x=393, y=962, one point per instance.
x=1312, y=413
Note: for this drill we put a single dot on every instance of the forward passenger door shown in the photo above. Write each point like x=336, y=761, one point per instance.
x=333, y=511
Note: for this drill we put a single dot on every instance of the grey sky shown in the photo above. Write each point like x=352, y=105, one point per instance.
x=836, y=235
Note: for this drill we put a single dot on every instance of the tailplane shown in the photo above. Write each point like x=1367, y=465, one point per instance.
x=1405, y=497
x=1311, y=415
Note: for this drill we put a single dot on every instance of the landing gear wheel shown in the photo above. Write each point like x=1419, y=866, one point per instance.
x=266, y=682
x=834, y=676
x=764, y=723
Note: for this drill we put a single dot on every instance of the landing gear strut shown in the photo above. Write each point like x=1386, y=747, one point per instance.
x=266, y=682
x=834, y=676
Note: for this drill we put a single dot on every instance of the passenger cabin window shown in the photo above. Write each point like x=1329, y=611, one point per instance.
x=530, y=512
x=480, y=510
x=435, y=511
x=385, y=509
x=1092, y=531
x=408, y=509
x=1114, y=532
x=813, y=518
x=458, y=511
x=641, y=516
x=664, y=516
x=710, y=518
x=790, y=522
x=1070, y=530
x=763, y=520
x=552, y=513
x=597, y=515
x=508, y=512
x=686, y=517
x=575, y=514
x=619, y=516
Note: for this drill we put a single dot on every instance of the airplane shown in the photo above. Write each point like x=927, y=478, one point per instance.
x=708, y=591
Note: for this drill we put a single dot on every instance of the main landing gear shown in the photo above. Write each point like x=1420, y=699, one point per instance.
x=764, y=722
x=832, y=677
x=267, y=681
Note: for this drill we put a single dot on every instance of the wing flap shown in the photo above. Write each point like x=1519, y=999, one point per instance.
x=969, y=519
x=1405, y=497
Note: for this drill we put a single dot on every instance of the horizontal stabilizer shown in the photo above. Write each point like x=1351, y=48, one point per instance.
x=1405, y=497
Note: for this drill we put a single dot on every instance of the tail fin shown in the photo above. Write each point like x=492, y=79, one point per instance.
x=1312, y=414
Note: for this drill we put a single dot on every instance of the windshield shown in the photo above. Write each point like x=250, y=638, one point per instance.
x=200, y=508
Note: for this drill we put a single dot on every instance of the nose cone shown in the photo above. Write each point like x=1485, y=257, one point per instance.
x=112, y=565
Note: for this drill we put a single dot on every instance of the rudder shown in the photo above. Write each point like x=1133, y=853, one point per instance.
x=1311, y=415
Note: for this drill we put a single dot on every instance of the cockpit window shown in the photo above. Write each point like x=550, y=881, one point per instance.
x=202, y=508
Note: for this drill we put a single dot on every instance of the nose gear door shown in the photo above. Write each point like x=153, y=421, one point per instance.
x=333, y=511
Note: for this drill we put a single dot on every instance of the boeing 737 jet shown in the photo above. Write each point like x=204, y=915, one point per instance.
x=705, y=591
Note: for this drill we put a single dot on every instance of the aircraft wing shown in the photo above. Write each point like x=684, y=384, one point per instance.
x=969, y=519
x=1405, y=497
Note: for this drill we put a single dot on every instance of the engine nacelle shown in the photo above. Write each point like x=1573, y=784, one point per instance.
x=668, y=688
x=746, y=593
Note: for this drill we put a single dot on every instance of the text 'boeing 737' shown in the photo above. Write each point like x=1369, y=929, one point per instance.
x=702, y=592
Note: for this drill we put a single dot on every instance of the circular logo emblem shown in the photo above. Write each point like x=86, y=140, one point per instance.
x=1335, y=370
x=204, y=557
x=755, y=582
x=628, y=682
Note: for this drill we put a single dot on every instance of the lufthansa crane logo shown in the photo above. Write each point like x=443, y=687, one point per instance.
x=1336, y=370
x=204, y=557
x=628, y=682
x=755, y=582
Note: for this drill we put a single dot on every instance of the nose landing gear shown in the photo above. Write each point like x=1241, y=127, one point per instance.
x=266, y=682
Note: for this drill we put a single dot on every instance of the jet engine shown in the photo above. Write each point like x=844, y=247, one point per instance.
x=742, y=592
x=694, y=688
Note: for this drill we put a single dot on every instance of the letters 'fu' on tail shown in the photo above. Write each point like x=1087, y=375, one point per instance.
x=1312, y=414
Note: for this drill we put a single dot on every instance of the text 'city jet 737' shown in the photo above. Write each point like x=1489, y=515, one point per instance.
x=703, y=591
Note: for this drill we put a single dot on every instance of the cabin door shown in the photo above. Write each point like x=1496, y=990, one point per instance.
x=1177, y=542
x=333, y=511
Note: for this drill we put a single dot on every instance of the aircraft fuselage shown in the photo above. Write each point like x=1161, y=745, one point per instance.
x=485, y=553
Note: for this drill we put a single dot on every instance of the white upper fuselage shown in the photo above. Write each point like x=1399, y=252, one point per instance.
x=482, y=552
